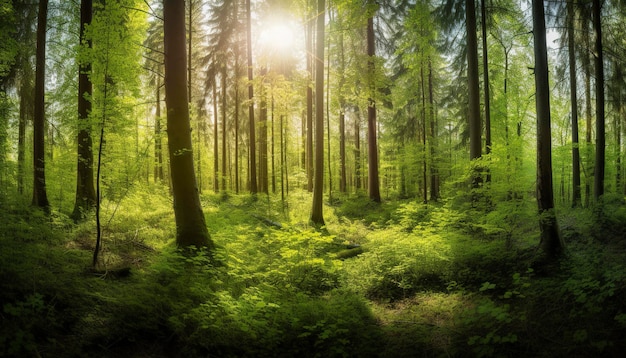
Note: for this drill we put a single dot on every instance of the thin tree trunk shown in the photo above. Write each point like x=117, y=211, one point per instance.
x=272, y=152
x=158, y=142
x=574, y=106
x=252, y=137
x=487, y=97
x=434, y=173
x=598, y=184
x=589, y=149
x=26, y=108
x=424, y=144
x=263, y=170
x=372, y=146
x=342, y=118
x=473, y=85
x=317, y=217
x=216, y=165
x=40, y=196
x=309, y=102
x=357, y=150
x=224, y=110
x=550, y=239
x=619, y=108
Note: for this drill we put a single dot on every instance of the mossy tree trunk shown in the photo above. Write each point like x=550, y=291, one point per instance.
x=190, y=223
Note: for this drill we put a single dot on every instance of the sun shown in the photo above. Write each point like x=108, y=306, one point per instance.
x=277, y=36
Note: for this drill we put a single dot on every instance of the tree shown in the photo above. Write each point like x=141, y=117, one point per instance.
x=309, y=98
x=40, y=196
x=550, y=238
x=472, y=78
x=318, y=185
x=252, y=137
x=483, y=26
x=372, y=146
x=85, y=190
x=574, y=105
x=190, y=223
x=598, y=182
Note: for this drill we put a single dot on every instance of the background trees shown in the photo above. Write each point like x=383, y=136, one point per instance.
x=421, y=77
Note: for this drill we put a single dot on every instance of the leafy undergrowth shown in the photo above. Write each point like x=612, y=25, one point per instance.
x=399, y=279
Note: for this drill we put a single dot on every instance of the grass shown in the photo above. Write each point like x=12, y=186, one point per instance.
x=437, y=280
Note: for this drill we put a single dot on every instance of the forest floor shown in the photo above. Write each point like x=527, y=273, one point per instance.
x=397, y=279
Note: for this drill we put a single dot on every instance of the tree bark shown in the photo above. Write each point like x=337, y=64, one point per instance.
x=224, y=110
x=372, y=145
x=191, y=227
x=309, y=103
x=550, y=239
x=252, y=136
x=472, y=78
x=487, y=96
x=85, y=190
x=40, y=196
x=317, y=216
x=574, y=106
x=598, y=182
x=158, y=142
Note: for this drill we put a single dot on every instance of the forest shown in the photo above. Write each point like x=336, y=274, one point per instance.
x=312, y=178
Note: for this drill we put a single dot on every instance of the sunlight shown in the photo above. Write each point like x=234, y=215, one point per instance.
x=278, y=37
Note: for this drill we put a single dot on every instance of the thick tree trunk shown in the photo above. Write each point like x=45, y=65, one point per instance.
x=252, y=136
x=40, y=196
x=190, y=222
x=372, y=145
x=317, y=216
x=550, y=239
x=85, y=190
x=598, y=183
x=574, y=106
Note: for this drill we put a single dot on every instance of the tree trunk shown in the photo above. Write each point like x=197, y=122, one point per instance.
x=586, y=64
x=40, y=196
x=309, y=103
x=423, y=135
x=487, y=97
x=158, y=142
x=224, y=110
x=598, y=182
x=317, y=217
x=263, y=169
x=357, y=150
x=473, y=88
x=190, y=222
x=216, y=131
x=26, y=110
x=434, y=173
x=372, y=145
x=85, y=190
x=550, y=239
x=252, y=137
x=574, y=106
x=342, y=118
